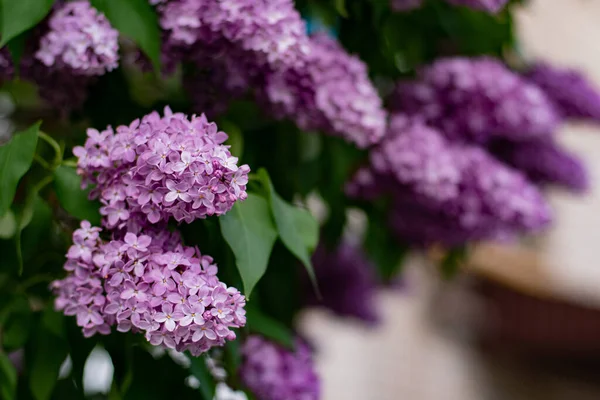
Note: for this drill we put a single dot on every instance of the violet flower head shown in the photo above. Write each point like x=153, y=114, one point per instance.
x=544, y=162
x=79, y=39
x=148, y=284
x=347, y=280
x=274, y=373
x=572, y=93
x=405, y=5
x=477, y=99
x=271, y=31
x=161, y=167
x=330, y=92
x=418, y=166
x=490, y=6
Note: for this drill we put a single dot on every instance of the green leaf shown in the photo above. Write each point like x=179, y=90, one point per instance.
x=271, y=328
x=15, y=159
x=8, y=225
x=297, y=233
x=248, y=229
x=383, y=249
x=17, y=16
x=8, y=378
x=340, y=6
x=200, y=370
x=235, y=139
x=49, y=351
x=33, y=223
x=137, y=20
x=18, y=324
x=72, y=197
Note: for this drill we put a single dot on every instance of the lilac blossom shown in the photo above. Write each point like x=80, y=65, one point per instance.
x=544, y=162
x=463, y=183
x=79, y=39
x=477, y=99
x=330, y=92
x=271, y=32
x=574, y=95
x=274, y=373
x=6, y=65
x=347, y=281
x=491, y=6
x=130, y=283
x=161, y=167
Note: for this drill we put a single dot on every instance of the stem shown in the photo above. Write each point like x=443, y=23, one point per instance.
x=55, y=146
x=42, y=162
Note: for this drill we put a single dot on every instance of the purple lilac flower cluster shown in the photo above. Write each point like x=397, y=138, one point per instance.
x=476, y=193
x=477, y=99
x=275, y=373
x=347, y=280
x=330, y=92
x=161, y=167
x=79, y=39
x=572, y=93
x=6, y=65
x=148, y=284
x=544, y=162
x=272, y=32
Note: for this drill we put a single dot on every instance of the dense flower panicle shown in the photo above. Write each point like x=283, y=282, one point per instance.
x=545, y=162
x=271, y=31
x=79, y=39
x=477, y=99
x=330, y=92
x=462, y=182
x=274, y=373
x=151, y=285
x=491, y=6
x=347, y=282
x=572, y=93
x=405, y=5
x=161, y=167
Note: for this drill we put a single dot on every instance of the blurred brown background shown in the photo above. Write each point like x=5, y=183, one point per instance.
x=524, y=321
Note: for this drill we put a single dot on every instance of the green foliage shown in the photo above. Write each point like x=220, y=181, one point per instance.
x=297, y=233
x=249, y=230
x=200, y=370
x=67, y=185
x=18, y=16
x=48, y=351
x=8, y=378
x=136, y=20
x=269, y=327
x=15, y=159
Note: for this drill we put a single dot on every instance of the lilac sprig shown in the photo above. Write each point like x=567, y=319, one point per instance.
x=79, y=39
x=274, y=373
x=544, y=162
x=573, y=94
x=161, y=167
x=148, y=284
x=490, y=6
x=465, y=185
x=272, y=32
x=330, y=92
x=477, y=99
